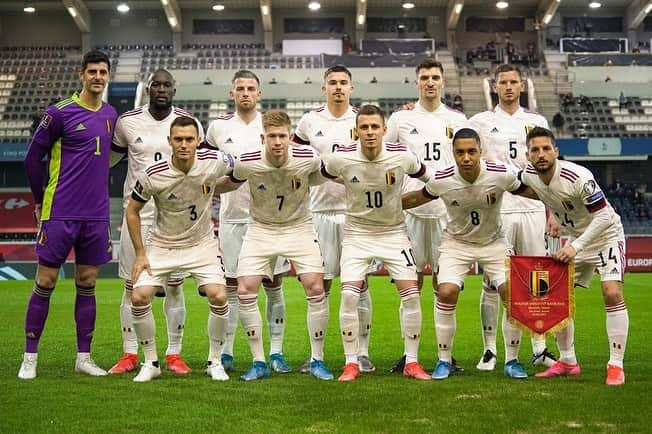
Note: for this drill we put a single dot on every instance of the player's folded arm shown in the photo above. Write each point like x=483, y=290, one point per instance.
x=417, y=198
x=599, y=224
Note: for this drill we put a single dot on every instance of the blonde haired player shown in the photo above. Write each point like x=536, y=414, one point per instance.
x=238, y=133
x=280, y=224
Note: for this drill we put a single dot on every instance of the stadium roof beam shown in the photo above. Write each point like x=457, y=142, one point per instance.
x=546, y=11
x=79, y=13
x=173, y=14
x=453, y=13
x=360, y=20
x=266, y=15
x=636, y=13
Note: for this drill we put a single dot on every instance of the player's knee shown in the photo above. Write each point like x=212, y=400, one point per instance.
x=140, y=298
x=612, y=293
x=349, y=301
x=86, y=276
x=447, y=293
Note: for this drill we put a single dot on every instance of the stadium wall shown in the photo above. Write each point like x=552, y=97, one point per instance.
x=52, y=28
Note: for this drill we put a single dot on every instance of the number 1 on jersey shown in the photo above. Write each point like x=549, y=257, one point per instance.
x=97, y=146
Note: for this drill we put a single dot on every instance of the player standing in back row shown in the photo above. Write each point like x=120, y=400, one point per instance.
x=142, y=134
x=427, y=128
x=502, y=132
x=73, y=211
x=238, y=133
x=325, y=129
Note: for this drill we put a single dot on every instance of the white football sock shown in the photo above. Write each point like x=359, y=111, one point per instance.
x=349, y=322
x=129, y=340
x=174, y=307
x=218, y=318
x=445, y=325
x=412, y=319
x=512, y=336
x=145, y=328
x=275, y=313
x=566, y=344
x=317, y=323
x=489, y=310
x=252, y=323
x=234, y=314
x=364, y=316
x=617, y=330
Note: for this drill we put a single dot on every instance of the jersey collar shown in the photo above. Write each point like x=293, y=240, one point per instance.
x=79, y=102
x=347, y=114
x=500, y=111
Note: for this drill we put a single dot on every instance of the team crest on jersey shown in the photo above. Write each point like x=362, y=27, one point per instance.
x=491, y=198
x=390, y=177
x=353, y=134
x=108, y=126
x=449, y=132
x=45, y=121
x=568, y=205
x=528, y=128
x=206, y=189
x=296, y=183
x=539, y=283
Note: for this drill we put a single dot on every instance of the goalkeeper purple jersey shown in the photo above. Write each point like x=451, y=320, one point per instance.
x=77, y=139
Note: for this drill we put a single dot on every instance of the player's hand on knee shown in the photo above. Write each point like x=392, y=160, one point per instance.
x=141, y=263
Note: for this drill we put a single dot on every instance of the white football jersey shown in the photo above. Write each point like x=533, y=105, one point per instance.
x=573, y=195
x=429, y=134
x=229, y=133
x=474, y=209
x=145, y=140
x=183, y=201
x=324, y=132
x=374, y=188
x=278, y=195
x=502, y=138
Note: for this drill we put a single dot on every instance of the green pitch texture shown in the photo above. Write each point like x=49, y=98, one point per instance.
x=60, y=400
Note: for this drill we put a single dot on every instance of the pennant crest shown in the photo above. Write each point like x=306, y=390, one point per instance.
x=539, y=283
x=540, y=294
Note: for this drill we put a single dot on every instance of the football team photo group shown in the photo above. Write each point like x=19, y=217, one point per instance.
x=422, y=192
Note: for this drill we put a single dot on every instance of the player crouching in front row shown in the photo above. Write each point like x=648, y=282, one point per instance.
x=472, y=192
x=182, y=240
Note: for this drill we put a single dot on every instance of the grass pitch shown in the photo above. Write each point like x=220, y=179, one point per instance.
x=61, y=401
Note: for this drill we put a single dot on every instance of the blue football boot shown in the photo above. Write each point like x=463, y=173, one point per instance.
x=320, y=371
x=258, y=371
x=442, y=370
x=513, y=369
x=277, y=361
